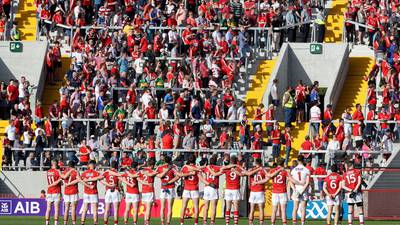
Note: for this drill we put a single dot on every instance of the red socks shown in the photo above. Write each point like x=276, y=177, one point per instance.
x=236, y=217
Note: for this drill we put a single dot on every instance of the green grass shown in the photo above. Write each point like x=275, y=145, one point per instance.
x=8, y=220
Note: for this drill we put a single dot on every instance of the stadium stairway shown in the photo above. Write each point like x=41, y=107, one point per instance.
x=51, y=91
x=258, y=85
x=355, y=87
x=299, y=132
x=26, y=20
x=335, y=21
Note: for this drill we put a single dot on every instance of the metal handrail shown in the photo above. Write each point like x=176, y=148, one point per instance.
x=150, y=150
x=12, y=184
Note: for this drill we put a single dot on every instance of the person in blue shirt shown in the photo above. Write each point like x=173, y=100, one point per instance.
x=123, y=63
x=169, y=101
x=196, y=116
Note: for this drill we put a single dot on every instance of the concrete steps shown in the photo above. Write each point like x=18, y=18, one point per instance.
x=258, y=85
x=355, y=87
x=26, y=19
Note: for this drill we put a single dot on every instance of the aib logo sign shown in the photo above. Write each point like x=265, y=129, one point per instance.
x=5, y=207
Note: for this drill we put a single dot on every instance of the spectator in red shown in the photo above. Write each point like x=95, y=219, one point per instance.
x=84, y=152
x=307, y=146
x=300, y=98
x=288, y=144
x=320, y=171
x=12, y=93
x=358, y=115
x=126, y=161
x=276, y=142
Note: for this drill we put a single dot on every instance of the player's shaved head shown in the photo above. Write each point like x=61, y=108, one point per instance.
x=233, y=159
x=281, y=162
x=334, y=168
x=300, y=159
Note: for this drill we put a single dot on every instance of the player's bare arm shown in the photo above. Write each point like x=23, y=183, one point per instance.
x=252, y=171
x=203, y=180
x=216, y=174
x=133, y=175
x=338, y=190
x=173, y=180
x=325, y=189
x=293, y=181
x=305, y=185
x=125, y=181
x=55, y=183
x=345, y=187
x=164, y=172
x=67, y=174
x=275, y=173
x=143, y=182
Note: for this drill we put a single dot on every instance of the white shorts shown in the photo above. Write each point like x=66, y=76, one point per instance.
x=148, y=197
x=296, y=196
x=190, y=194
x=257, y=197
x=53, y=197
x=112, y=197
x=71, y=198
x=131, y=198
x=279, y=198
x=232, y=195
x=210, y=193
x=333, y=201
x=168, y=193
x=358, y=198
x=90, y=198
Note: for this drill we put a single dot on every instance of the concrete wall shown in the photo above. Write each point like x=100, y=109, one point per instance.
x=295, y=62
x=29, y=63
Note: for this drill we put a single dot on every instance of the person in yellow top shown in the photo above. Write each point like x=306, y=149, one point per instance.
x=288, y=106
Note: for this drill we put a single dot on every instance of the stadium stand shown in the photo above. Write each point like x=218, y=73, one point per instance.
x=181, y=76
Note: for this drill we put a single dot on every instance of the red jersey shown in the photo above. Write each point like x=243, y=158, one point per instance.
x=191, y=183
x=332, y=182
x=111, y=179
x=132, y=181
x=275, y=135
x=260, y=175
x=279, y=181
x=88, y=174
x=211, y=178
x=71, y=189
x=168, y=176
x=150, y=180
x=232, y=179
x=52, y=176
x=351, y=178
x=84, y=150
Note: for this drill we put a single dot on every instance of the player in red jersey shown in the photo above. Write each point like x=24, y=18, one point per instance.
x=190, y=176
x=71, y=179
x=53, y=191
x=146, y=177
x=132, y=196
x=90, y=192
x=210, y=195
x=232, y=173
x=257, y=189
x=352, y=184
x=167, y=174
x=112, y=195
x=332, y=187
